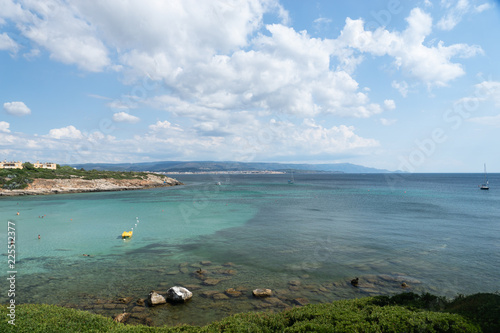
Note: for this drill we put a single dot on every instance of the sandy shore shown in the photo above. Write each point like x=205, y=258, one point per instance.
x=78, y=185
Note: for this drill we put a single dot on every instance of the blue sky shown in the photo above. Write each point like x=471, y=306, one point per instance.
x=399, y=85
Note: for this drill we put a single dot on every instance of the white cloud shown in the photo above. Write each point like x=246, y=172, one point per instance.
x=6, y=43
x=402, y=87
x=123, y=104
x=68, y=132
x=457, y=10
x=123, y=117
x=484, y=92
x=60, y=29
x=4, y=127
x=493, y=121
x=34, y=53
x=16, y=108
x=389, y=104
x=213, y=55
x=454, y=14
x=198, y=48
x=7, y=139
x=429, y=64
x=488, y=90
x=251, y=139
x=388, y=122
x=313, y=139
x=164, y=126
x=321, y=22
x=481, y=8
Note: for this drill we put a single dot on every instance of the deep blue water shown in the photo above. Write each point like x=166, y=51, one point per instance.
x=436, y=232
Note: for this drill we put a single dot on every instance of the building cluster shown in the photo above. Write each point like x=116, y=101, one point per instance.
x=19, y=165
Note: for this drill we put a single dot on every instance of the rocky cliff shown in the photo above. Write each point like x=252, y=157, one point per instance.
x=78, y=185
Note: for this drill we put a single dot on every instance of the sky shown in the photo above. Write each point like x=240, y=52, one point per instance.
x=393, y=84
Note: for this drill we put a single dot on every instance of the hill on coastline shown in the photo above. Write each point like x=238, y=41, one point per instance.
x=211, y=166
x=65, y=179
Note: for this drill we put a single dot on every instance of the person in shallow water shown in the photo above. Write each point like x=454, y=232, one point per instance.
x=38, y=236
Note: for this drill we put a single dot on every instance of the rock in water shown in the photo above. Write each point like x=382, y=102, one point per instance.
x=300, y=301
x=233, y=292
x=179, y=294
x=122, y=317
x=155, y=299
x=125, y=300
x=262, y=292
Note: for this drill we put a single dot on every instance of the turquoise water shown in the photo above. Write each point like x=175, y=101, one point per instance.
x=437, y=233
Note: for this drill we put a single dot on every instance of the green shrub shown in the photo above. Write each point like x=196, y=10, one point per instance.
x=20, y=178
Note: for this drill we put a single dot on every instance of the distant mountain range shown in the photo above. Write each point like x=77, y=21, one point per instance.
x=210, y=166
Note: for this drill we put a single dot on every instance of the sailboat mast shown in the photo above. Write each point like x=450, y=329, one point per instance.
x=485, y=177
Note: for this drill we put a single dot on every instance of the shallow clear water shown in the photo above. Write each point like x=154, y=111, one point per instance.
x=437, y=233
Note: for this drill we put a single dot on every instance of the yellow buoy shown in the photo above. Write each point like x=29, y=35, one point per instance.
x=127, y=234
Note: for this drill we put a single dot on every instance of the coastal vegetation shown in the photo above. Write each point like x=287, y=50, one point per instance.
x=406, y=312
x=12, y=179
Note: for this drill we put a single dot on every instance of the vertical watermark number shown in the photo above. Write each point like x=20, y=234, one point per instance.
x=11, y=272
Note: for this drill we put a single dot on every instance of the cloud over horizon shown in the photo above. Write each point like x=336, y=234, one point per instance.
x=16, y=108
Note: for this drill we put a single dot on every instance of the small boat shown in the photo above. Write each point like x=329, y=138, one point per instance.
x=486, y=184
x=127, y=234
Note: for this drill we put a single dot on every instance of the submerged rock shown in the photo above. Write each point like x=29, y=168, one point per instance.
x=211, y=282
x=208, y=293
x=219, y=296
x=233, y=292
x=122, y=317
x=179, y=294
x=156, y=299
x=200, y=274
x=226, y=272
x=192, y=286
x=125, y=300
x=276, y=302
x=262, y=292
x=300, y=301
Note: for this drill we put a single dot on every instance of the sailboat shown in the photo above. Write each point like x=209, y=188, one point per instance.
x=486, y=184
x=291, y=180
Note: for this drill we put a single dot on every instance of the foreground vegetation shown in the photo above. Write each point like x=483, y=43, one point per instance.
x=20, y=178
x=406, y=312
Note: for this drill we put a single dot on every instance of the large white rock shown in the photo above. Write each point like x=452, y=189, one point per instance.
x=156, y=299
x=178, y=294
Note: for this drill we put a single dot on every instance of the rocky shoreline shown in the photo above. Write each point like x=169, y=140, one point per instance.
x=78, y=185
x=207, y=286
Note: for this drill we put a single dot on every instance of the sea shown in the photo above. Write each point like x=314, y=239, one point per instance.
x=224, y=235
